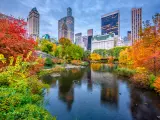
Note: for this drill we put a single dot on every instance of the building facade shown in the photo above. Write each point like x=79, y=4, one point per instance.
x=78, y=38
x=110, y=23
x=33, y=23
x=66, y=26
x=85, y=41
x=90, y=36
x=107, y=41
x=136, y=23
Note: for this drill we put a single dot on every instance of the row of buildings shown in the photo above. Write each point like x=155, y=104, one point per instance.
x=110, y=32
x=110, y=29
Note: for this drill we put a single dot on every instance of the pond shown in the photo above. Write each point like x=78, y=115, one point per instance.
x=96, y=93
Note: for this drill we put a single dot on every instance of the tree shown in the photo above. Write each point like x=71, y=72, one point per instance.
x=86, y=54
x=46, y=46
x=95, y=56
x=147, y=50
x=14, y=40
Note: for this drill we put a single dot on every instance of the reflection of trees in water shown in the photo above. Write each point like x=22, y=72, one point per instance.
x=48, y=79
x=144, y=106
x=103, y=67
x=109, y=95
x=109, y=88
x=66, y=85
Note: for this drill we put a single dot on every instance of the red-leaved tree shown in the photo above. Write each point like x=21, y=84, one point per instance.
x=13, y=38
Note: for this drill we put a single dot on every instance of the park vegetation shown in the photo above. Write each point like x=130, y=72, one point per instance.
x=21, y=91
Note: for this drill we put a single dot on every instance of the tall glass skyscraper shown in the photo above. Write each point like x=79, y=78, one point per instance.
x=66, y=26
x=110, y=23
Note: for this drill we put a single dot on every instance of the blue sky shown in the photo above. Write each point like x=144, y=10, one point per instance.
x=87, y=13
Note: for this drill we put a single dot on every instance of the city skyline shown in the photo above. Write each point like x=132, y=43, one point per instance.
x=87, y=14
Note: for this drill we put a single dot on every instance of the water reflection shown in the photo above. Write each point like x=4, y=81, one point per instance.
x=97, y=93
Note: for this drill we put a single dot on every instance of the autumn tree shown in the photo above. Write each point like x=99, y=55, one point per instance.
x=13, y=39
x=147, y=49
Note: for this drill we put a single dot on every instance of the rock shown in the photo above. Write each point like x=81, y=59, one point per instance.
x=55, y=75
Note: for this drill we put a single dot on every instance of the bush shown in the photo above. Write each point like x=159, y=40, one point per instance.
x=141, y=80
x=152, y=79
x=76, y=62
x=156, y=84
x=58, y=61
x=85, y=63
x=125, y=72
x=48, y=62
x=95, y=56
x=21, y=93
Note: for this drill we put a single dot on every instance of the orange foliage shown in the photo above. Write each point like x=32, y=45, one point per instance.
x=157, y=84
x=76, y=62
x=110, y=59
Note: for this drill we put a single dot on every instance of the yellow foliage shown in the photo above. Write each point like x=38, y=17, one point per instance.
x=141, y=70
x=2, y=58
x=96, y=66
x=54, y=47
x=95, y=56
x=125, y=56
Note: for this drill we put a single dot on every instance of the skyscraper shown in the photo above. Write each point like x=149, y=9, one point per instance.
x=78, y=38
x=129, y=35
x=66, y=23
x=33, y=23
x=136, y=23
x=110, y=23
x=90, y=35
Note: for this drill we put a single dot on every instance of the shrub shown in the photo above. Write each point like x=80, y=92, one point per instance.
x=125, y=72
x=20, y=92
x=141, y=80
x=152, y=79
x=110, y=60
x=76, y=62
x=85, y=63
x=95, y=56
x=58, y=61
x=48, y=62
x=156, y=84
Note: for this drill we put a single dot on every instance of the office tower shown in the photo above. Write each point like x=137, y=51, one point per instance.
x=110, y=23
x=90, y=35
x=78, y=38
x=66, y=26
x=33, y=23
x=85, y=40
x=90, y=32
x=136, y=23
x=69, y=11
x=129, y=35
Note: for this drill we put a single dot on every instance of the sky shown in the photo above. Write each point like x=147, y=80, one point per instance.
x=87, y=13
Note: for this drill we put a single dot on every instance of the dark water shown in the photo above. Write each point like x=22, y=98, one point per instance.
x=98, y=94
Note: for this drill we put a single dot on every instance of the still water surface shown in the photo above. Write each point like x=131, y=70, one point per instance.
x=96, y=93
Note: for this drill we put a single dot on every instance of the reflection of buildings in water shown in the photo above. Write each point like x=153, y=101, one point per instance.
x=66, y=85
x=109, y=90
x=67, y=96
x=89, y=80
